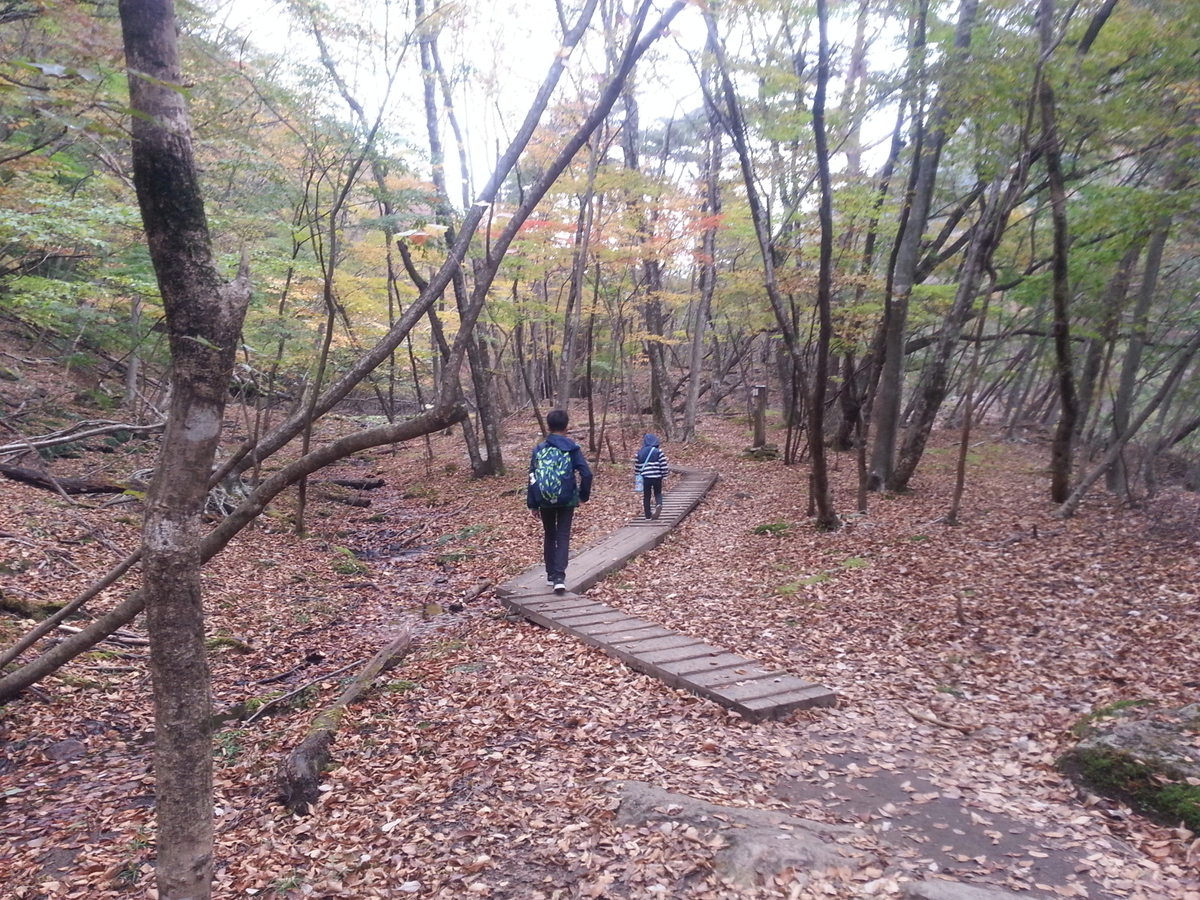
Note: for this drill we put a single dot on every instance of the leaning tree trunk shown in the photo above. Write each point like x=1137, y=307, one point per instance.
x=1071, y=503
x=204, y=320
x=1127, y=388
x=885, y=416
x=935, y=380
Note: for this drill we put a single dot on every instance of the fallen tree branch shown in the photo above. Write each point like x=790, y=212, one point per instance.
x=61, y=485
x=300, y=773
x=12, y=683
x=115, y=637
x=476, y=591
x=79, y=431
x=284, y=698
x=358, y=484
x=338, y=494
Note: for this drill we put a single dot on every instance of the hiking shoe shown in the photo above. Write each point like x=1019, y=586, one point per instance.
x=549, y=582
x=658, y=511
x=559, y=587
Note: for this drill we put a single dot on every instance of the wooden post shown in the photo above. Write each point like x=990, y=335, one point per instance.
x=758, y=393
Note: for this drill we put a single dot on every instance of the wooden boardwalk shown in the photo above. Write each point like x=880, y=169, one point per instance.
x=733, y=681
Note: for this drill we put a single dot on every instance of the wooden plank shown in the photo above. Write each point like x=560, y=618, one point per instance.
x=591, y=618
x=562, y=605
x=723, y=677
x=639, y=632
x=705, y=664
x=779, y=705
x=640, y=647
x=692, y=651
x=775, y=683
x=604, y=631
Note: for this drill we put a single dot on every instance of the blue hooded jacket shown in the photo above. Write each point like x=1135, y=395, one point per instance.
x=579, y=464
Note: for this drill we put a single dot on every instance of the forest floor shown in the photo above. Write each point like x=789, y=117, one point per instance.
x=489, y=763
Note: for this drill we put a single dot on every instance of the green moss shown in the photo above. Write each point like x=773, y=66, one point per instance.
x=775, y=529
x=225, y=641
x=1145, y=789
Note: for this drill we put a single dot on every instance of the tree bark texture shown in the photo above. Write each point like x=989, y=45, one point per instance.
x=827, y=518
x=204, y=320
x=1061, y=448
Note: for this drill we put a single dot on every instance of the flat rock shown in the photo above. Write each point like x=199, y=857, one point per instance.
x=953, y=890
x=759, y=843
x=61, y=751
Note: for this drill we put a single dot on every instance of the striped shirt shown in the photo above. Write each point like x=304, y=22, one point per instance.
x=654, y=466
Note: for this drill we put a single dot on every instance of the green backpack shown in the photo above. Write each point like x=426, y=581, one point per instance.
x=552, y=480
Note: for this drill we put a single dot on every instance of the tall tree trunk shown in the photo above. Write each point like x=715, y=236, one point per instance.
x=964, y=443
x=485, y=401
x=827, y=518
x=651, y=281
x=734, y=123
x=1060, y=452
x=579, y=262
x=1100, y=346
x=1116, y=477
x=885, y=415
x=708, y=273
x=204, y=320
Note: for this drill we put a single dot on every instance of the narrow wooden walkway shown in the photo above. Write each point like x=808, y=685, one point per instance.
x=733, y=681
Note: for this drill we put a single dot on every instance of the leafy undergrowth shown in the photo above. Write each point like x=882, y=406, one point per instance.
x=487, y=764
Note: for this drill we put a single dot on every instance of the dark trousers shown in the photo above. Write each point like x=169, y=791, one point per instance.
x=651, y=486
x=556, y=540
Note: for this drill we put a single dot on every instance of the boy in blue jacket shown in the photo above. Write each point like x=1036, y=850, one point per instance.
x=554, y=493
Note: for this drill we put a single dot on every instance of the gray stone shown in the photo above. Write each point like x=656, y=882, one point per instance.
x=1162, y=741
x=759, y=843
x=62, y=751
x=953, y=890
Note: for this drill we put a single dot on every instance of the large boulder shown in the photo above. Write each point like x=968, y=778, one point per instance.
x=1151, y=762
